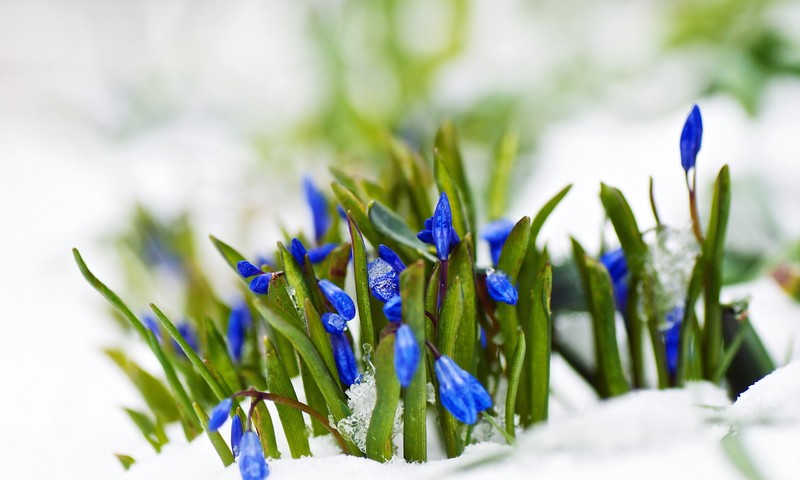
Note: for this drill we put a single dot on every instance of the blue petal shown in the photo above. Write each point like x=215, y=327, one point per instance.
x=238, y=321
x=383, y=280
x=442, y=227
x=319, y=254
x=500, y=288
x=333, y=323
x=479, y=394
x=393, y=309
x=247, y=269
x=299, y=251
x=219, y=414
x=454, y=392
x=319, y=209
x=345, y=360
x=691, y=138
x=252, y=464
x=260, y=284
x=406, y=355
x=152, y=325
x=425, y=236
x=187, y=332
x=484, y=341
x=236, y=435
x=389, y=256
x=496, y=233
x=617, y=267
x=672, y=338
x=339, y=299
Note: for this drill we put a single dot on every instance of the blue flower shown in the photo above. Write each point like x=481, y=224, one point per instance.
x=393, y=309
x=389, y=256
x=236, y=435
x=383, y=280
x=299, y=251
x=406, y=355
x=188, y=334
x=672, y=338
x=318, y=254
x=333, y=323
x=345, y=360
x=500, y=288
x=319, y=208
x=252, y=464
x=219, y=414
x=339, y=299
x=461, y=394
x=496, y=233
x=260, y=283
x=238, y=321
x=617, y=267
x=152, y=325
x=438, y=230
x=691, y=138
x=484, y=341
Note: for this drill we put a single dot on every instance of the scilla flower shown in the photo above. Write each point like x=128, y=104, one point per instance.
x=219, y=414
x=236, y=435
x=319, y=209
x=393, y=309
x=339, y=299
x=496, y=233
x=345, y=360
x=406, y=355
x=672, y=338
x=389, y=256
x=617, y=267
x=691, y=138
x=438, y=230
x=260, y=282
x=333, y=323
x=384, y=281
x=461, y=394
x=500, y=288
x=238, y=321
x=252, y=464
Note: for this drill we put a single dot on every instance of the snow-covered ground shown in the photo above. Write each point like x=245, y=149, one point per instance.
x=66, y=181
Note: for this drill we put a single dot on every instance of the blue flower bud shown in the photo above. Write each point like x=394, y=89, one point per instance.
x=393, y=309
x=318, y=254
x=438, y=230
x=299, y=251
x=383, y=280
x=345, y=359
x=238, y=321
x=496, y=233
x=691, y=138
x=333, y=323
x=219, y=414
x=406, y=355
x=500, y=288
x=236, y=435
x=152, y=325
x=617, y=267
x=339, y=299
x=460, y=393
x=252, y=464
x=188, y=334
x=319, y=209
x=672, y=337
x=389, y=256
x=247, y=269
x=260, y=284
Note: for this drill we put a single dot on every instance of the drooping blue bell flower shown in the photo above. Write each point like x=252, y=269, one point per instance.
x=500, y=288
x=260, y=283
x=389, y=256
x=299, y=251
x=333, y=323
x=461, y=394
x=496, y=233
x=344, y=358
x=384, y=280
x=238, y=322
x=691, y=138
x=617, y=267
x=247, y=269
x=393, y=309
x=219, y=414
x=438, y=230
x=252, y=464
x=340, y=300
x=236, y=435
x=319, y=209
x=406, y=355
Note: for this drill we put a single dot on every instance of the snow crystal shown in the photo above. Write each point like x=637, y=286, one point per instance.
x=671, y=258
x=771, y=399
x=361, y=398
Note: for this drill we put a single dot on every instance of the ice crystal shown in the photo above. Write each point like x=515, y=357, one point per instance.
x=361, y=399
x=672, y=255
